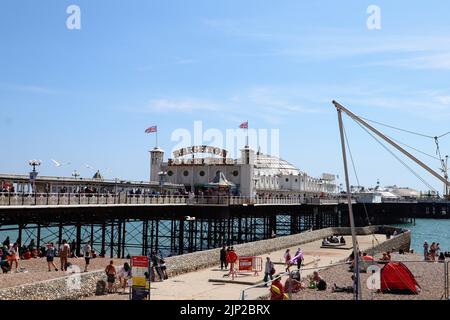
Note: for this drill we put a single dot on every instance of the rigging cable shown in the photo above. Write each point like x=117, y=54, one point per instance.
x=400, y=129
x=398, y=159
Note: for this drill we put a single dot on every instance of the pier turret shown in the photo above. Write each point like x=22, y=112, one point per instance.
x=156, y=161
x=247, y=186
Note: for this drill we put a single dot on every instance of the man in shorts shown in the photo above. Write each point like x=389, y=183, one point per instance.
x=87, y=252
x=64, y=254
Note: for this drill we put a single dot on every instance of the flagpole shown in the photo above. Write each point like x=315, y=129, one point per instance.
x=156, y=138
x=246, y=138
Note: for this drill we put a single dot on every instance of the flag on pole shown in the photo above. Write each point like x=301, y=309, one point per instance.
x=244, y=125
x=151, y=129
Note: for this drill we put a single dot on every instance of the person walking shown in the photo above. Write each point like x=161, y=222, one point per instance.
x=156, y=267
x=287, y=259
x=50, y=256
x=87, y=252
x=223, y=258
x=64, y=254
x=269, y=271
x=299, y=258
x=433, y=251
x=110, y=271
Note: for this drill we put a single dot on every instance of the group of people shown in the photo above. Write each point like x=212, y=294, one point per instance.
x=158, y=267
x=12, y=253
x=123, y=276
x=294, y=284
x=433, y=252
x=333, y=240
x=297, y=259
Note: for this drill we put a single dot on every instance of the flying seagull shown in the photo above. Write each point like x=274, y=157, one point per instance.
x=59, y=164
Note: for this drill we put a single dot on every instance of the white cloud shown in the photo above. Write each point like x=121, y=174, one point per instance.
x=181, y=105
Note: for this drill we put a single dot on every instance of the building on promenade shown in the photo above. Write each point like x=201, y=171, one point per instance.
x=252, y=174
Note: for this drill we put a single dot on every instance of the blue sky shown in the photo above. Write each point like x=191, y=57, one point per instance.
x=86, y=96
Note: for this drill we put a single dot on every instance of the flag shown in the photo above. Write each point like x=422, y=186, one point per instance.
x=151, y=129
x=244, y=125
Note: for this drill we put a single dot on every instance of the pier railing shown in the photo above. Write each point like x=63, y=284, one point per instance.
x=122, y=198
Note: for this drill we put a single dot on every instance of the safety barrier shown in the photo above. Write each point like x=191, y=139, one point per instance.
x=250, y=264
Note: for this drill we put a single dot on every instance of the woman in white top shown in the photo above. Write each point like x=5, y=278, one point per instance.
x=124, y=275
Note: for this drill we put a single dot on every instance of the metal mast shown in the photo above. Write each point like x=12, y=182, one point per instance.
x=350, y=210
x=339, y=107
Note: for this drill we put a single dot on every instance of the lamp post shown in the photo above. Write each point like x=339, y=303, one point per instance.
x=33, y=174
x=75, y=174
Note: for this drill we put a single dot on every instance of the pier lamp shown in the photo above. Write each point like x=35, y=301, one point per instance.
x=33, y=174
x=75, y=174
x=162, y=175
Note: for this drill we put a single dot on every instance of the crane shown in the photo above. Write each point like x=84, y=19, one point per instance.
x=444, y=179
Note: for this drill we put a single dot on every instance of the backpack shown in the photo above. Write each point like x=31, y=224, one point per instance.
x=322, y=285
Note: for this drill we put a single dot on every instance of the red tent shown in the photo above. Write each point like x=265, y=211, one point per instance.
x=396, y=277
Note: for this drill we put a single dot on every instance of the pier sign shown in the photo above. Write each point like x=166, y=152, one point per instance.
x=140, y=278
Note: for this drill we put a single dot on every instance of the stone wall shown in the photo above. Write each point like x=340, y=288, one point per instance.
x=58, y=288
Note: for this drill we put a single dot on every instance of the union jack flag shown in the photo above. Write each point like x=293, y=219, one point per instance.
x=244, y=125
x=151, y=129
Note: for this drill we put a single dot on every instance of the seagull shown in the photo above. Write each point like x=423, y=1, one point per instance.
x=59, y=164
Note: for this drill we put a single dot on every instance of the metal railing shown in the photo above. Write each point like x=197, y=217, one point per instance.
x=125, y=198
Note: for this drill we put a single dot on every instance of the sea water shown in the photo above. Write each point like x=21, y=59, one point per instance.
x=430, y=230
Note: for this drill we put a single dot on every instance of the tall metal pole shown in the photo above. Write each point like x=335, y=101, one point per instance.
x=350, y=209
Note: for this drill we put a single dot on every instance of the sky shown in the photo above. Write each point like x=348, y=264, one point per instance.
x=86, y=96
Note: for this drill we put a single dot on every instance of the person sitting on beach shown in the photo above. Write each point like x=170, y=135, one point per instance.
x=293, y=285
x=342, y=240
x=348, y=289
x=27, y=255
x=441, y=257
x=277, y=290
x=385, y=257
x=325, y=242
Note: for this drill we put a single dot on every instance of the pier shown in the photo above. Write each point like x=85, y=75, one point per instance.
x=122, y=224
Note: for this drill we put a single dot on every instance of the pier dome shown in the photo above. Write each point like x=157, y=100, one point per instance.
x=267, y=165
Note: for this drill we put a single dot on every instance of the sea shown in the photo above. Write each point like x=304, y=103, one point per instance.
x=430, y=230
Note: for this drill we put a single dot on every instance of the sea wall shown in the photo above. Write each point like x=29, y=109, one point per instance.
x=66, y=288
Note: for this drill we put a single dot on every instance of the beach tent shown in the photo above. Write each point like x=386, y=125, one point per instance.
x=396, y=278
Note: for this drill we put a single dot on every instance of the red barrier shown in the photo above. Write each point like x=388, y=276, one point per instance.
x=250, y=264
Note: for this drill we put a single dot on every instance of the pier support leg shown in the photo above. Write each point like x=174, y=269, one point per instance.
x=78, y=240
x=38, y=240
x=103, y=245
x=119, y=239
x=181, y=237
x=111, y=254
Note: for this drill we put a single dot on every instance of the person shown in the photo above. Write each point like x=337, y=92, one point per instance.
x=325, y=242
x=294, y=284
x=124, y=275
x=299, y=257
x=73, y=247
x=385, y=257
x=155, y=266
x=87, y=252
x=287, y=259
x=7, y=242
x=32, y=245
x=425, y=251
x=441, y=257
x=50, y=256
x=438, y=249
x=342, y=240
x=277, y=290
x=348, y=289
x=388, y=253
x=14, y=256
x=27, y=255
x=269, y=270
x=231, y=260
x=223, y=258
x=162, y=266
x=433, y=251
x=64, y=254
x=110, y=271
x=4, y=264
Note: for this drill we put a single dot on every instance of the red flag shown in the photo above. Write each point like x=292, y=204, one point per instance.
x=244, y=125
x=151, y=129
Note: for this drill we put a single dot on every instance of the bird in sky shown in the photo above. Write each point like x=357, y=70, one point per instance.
x=59, y=164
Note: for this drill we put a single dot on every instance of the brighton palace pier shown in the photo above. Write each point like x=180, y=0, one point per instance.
x=254, y=174
x=198, y=199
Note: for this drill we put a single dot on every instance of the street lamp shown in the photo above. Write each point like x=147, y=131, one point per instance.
x=33, y=174
x=75, y=174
